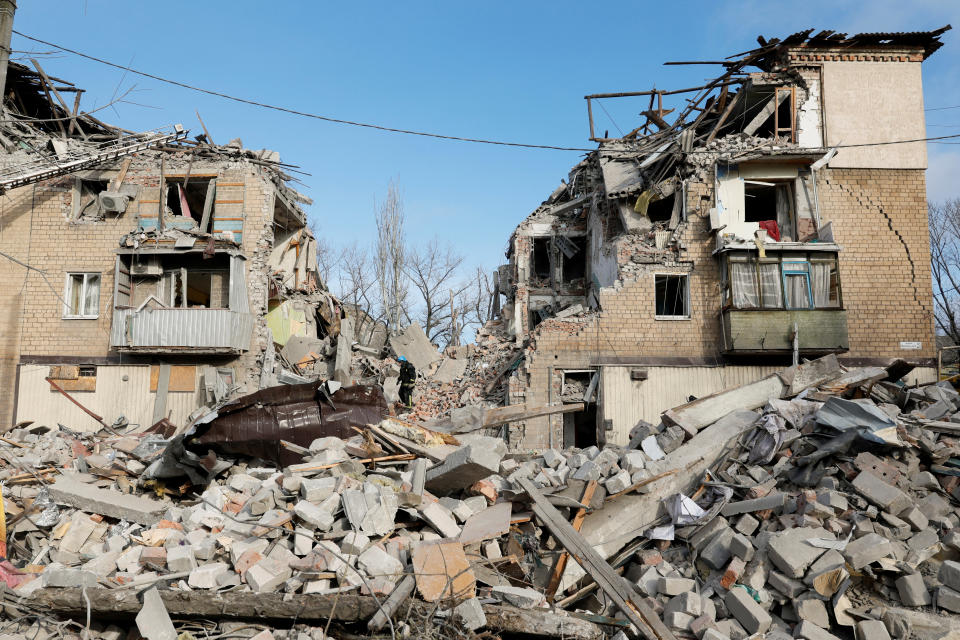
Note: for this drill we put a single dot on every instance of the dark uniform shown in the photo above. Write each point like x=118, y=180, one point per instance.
x=408, y=379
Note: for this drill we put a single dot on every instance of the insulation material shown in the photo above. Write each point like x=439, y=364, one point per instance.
x=285, y=320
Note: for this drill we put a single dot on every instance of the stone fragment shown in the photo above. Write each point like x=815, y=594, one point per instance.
x=520, y=597
x=205, y=576
x=884, y=495
x=809, y=631
x=440, y=519
x=153, y=621
x=871, y=630
x=470, y=614
x=950, y=574
x=790, y=552
x=948, y=599
x=913, y=592
x=442, y=571
x=462, y=468
x=675, y=586
x=813, y=610
x=869, y=548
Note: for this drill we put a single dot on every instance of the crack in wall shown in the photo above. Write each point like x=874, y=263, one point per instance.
x=906, y=247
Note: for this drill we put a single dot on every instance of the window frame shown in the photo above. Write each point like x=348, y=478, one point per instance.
x=805, y=272
x=68, y=290
x=686, y=296
x=784, y=262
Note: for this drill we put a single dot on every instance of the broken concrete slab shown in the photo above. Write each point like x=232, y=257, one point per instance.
x=462, y=468
x=414, y=345
x=106, y=502
x=450, y=369
x=443, y=571
x=492, y=522
x=153, y=621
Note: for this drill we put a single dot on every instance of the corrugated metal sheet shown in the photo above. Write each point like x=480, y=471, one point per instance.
x=181, y=328
x=626, y=401
x=114, y=396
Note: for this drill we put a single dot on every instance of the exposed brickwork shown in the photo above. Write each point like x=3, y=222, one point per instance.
x=36, y=227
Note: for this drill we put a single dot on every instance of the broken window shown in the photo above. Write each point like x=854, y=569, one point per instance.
x=776, y=118
x=768, y=201
x=87, y=197
x=540, y=258
x=187, y=196
x=196, y=289
x=573, y=261
x=82, y=296
x=672, y=296
x=661, y=210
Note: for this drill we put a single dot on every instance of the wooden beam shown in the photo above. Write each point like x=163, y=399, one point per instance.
x=45, y=84
x=723, y=117
x=512, y=413
x=620, y=592
x=276, y=607
x=561, y=564
x=766, y=112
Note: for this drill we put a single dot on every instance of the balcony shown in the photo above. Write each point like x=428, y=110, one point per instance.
x=207, y=331
x=770, y=331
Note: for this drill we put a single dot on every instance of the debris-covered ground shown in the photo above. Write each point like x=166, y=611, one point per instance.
x=813, y=503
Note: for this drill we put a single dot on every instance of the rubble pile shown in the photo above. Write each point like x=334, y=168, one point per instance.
x=825, y=502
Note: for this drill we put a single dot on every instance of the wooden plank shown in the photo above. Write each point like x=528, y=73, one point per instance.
x=512, y=413
x=561, y=564
x=618, y=590
x=47, y=85
x=160, y=402
x=182, y=378
x=723, y=117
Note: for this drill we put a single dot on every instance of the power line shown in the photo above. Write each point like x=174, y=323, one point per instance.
x=296, y=112
x=396, y=130
x=956, y=106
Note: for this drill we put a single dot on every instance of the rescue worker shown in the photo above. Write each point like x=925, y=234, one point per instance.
x=408, y=379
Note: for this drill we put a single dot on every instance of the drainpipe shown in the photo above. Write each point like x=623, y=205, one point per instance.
x=7, y=9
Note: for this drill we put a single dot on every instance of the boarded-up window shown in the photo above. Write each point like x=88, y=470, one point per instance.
x=74, y=378
x=182, y=378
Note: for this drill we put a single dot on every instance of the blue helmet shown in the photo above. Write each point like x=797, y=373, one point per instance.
x=402, y=359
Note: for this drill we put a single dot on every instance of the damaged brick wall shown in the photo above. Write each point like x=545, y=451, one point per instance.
x=880, y=219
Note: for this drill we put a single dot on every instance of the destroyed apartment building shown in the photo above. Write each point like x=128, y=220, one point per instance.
x=706, y=410
x=147, y=274
x=765, y=218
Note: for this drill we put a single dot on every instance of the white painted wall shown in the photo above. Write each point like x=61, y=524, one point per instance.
x=113, y=397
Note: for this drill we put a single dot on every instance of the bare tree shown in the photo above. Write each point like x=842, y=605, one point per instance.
x=945, y=265
x=356, y=281
x=433, y=271
x=390, y=255
x=476, y=301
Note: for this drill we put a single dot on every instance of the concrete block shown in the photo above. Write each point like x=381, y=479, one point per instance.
x=747, y=524
x=688, y=603
x=470, y=614
x=747, y=612
x=440, y=518
x=884, y=495
x=790, y=552
x=741, y=547
x=713, y=634
x=787, y=586
x=678, y=620
x=813, y=610
x=915, y=518
x=266, y=576
x=552, y=458
x=153, y=621
x=57, y=575
x=950, y=574
x=870, y=548
x=674, y=586
x=462, y=468
x=619, y=482
x=379, y=564
x=519, y=597
x=313, y=515
x=717, y=552
x=106, y=502
x=354, y=543
x=871, y=630
x=588, y=471
x=633, y=461
x=948, y=599
x=205, y=576
x=317, y=489
x=913, y=592
x=809, y=631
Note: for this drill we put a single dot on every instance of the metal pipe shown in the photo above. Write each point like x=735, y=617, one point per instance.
x=74, y=401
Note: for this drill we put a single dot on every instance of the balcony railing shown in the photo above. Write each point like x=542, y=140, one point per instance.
x=754, y=331
x=184, y=330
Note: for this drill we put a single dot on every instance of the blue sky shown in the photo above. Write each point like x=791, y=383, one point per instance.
x=506, y=71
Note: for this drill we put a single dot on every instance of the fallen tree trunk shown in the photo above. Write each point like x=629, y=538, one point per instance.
x=106, y=604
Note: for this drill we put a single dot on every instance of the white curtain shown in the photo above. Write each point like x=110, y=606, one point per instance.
x=91, y=304
x=797, y=297
x=820, y=282
x=744, y=284
x=785, y=213
x=771, y=293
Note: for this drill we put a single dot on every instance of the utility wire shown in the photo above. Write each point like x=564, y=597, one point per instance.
x=296, y=112
x=367, y=125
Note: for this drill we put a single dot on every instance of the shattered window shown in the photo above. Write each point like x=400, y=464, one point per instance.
x=82, y=295
x=187, y=197
x=196, y=289
x=574, y=257
x=540, y=258
x=672, y=296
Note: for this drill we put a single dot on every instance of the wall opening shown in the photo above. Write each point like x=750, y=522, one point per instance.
x=661, y=210
x=187, y=200
x=672, y=296
x=540, y=258
x=574, y=266
x=580, y=428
